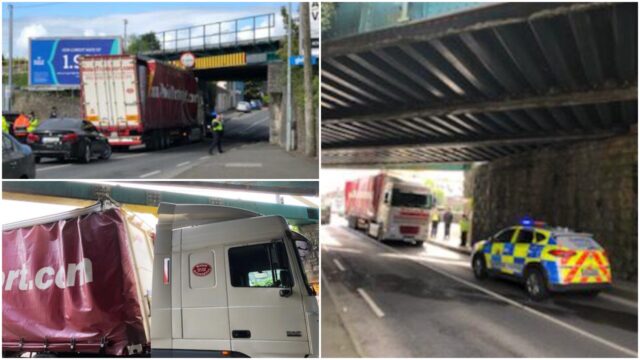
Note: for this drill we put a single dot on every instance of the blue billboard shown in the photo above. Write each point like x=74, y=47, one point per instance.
x=54, y=61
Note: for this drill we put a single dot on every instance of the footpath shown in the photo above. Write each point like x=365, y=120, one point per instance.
x=254, y=160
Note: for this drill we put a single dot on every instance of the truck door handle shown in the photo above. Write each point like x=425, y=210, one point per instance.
x=241, y=334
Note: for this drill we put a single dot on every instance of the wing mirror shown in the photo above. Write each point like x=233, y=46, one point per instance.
x=286, y=283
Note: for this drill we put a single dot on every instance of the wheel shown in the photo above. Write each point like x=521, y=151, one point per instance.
x=163, y=140
x=86, y=154
x=479, y=267
x=419, y=243
x=107, y=153
x=37, y=159
x=536, y=284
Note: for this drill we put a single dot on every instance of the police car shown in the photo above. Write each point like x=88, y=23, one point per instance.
x=544, y=259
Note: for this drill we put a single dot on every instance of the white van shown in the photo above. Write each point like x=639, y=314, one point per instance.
x=230, y=282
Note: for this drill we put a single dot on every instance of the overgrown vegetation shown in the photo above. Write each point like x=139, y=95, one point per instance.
x=143, y=43
x=297, y=73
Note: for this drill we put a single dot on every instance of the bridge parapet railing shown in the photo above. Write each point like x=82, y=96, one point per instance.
x=243, y=31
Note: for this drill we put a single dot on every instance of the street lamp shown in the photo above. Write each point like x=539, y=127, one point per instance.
x=125, y=34
x=289, y=34
x=9, y=89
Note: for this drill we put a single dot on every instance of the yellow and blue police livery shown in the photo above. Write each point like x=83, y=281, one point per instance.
x=543, y=258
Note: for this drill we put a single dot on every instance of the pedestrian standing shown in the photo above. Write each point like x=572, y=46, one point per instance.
x=217, y=130
x=464, y=230
x=435, y=220
x=33, y=122
x=447, y=218
x=54, y=113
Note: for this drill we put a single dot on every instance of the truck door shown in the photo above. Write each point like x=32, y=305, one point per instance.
x=266, y=311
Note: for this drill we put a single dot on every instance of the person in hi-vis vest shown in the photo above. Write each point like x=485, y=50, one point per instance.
x=217, y=130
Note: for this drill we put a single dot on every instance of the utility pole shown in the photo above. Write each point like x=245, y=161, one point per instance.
x=9, y=90
x=125, y=34
x=289, y=107
x=309, y=123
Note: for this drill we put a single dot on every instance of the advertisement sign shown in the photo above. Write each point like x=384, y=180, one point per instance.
x=53, y=62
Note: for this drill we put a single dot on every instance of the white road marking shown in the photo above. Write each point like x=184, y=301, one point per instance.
x=204, y=157
x=522, y=306
x=150, y=174
x=371, y=303
x=255, y=124
x=183, y=163
x=339, y=264
x=340, y=249
x=248, y=165
x=53, y=167
x=619, y=300
x=129, y=156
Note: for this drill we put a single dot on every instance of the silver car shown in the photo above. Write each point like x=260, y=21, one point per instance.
x=243, y=106
x=17, y=159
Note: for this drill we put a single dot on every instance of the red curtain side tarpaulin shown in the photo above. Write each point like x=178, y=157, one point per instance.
x=70, y=279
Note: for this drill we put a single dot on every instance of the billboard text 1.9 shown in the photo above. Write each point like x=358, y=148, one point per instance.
x=53, y=62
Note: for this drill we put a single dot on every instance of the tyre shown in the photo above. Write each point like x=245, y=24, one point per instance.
x=479, y=267
x=419, y=243
x=37, y=159
x=85, y=156
x=536, y=284
x=106, y=154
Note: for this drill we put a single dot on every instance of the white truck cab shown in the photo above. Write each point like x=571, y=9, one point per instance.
x=229, y=282
x=403, y=212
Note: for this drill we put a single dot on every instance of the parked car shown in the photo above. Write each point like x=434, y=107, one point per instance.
x=17, y=159
x=68, y=138
x=256, y=104
x=243, y=106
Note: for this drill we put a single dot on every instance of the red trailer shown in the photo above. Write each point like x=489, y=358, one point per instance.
x=77, y=283
x=140, y=102
x=389, y=208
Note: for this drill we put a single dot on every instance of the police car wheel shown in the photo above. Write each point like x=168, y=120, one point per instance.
x=535, y=285
x=479, y=267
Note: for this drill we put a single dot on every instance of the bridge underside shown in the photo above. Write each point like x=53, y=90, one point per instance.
x=479, y=85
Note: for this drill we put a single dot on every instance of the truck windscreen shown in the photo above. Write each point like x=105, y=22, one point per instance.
x=399, y=198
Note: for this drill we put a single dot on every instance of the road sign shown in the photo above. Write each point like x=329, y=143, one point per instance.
x=53, y=62
x=188, y=60
x=299, y=60
x=314, y=29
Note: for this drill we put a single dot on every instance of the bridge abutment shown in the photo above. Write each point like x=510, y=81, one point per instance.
x=588, y=186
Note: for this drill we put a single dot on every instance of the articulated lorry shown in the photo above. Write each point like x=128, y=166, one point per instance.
x=210, y=281
x=389, y=208
x=140, y=103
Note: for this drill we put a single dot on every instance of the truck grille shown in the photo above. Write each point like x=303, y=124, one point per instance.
x=409, y=230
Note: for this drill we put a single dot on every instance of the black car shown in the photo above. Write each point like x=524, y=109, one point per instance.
x=67, y=138
x=17, y=159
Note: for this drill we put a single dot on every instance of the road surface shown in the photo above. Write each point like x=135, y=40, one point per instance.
x=405, y=301
x=240, y=129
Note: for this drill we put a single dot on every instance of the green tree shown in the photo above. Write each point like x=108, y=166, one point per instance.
x=143, y=43
x=328, y=10
x=252, y=90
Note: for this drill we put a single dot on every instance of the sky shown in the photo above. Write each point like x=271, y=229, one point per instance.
x=106, y=19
